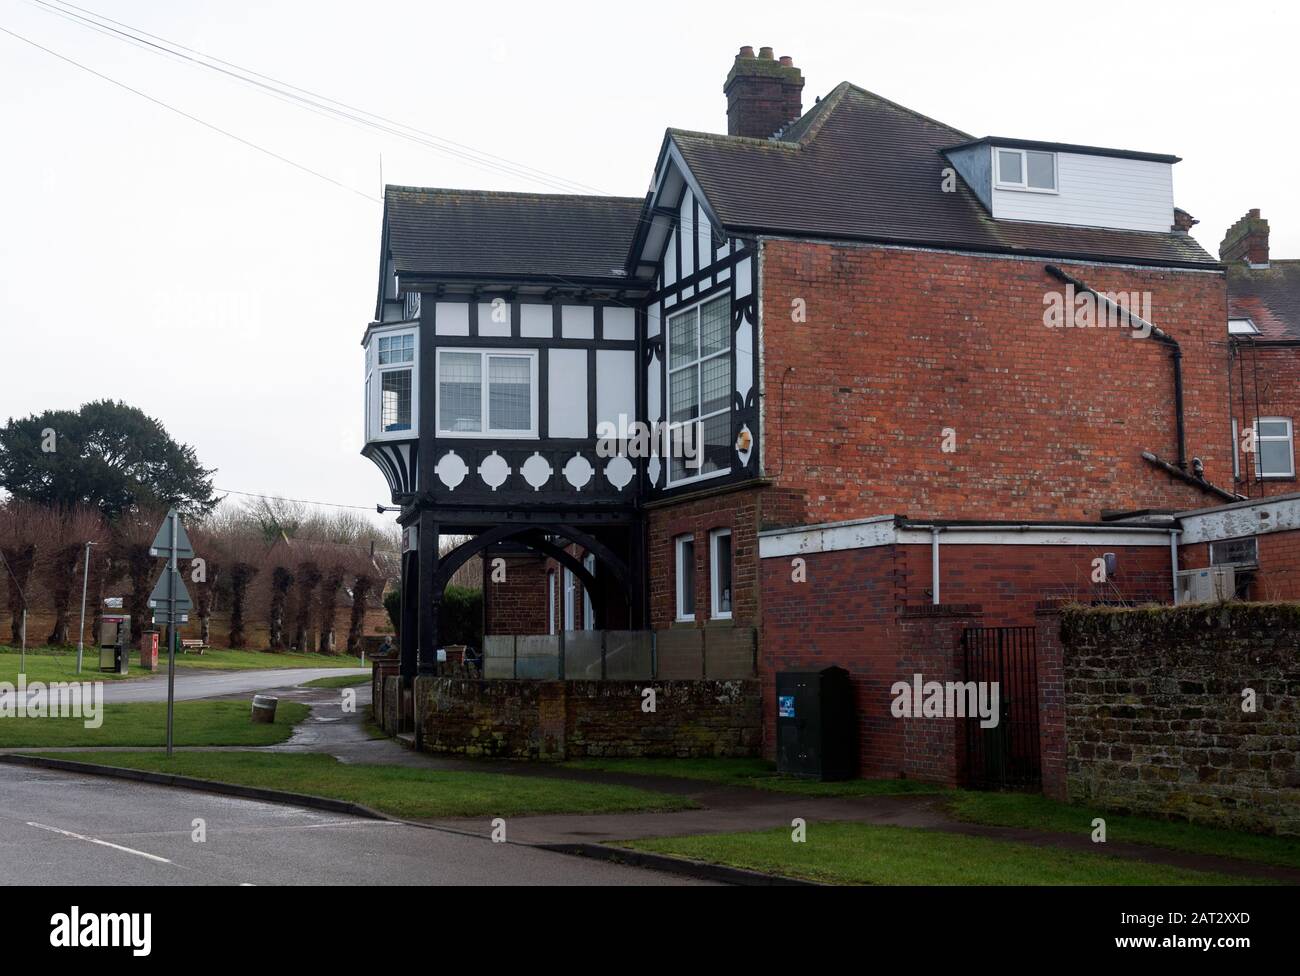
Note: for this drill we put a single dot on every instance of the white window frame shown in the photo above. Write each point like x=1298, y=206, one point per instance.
x=1243, y=326
x=550, y=602
x=588, y=614
x=484, y=386
x=1236, y=452
x=1290, y=443
x=374, y=383
x=699, y=361
x=715, y=591
x=570, y=604
x=1023, y=186
x=679, y=546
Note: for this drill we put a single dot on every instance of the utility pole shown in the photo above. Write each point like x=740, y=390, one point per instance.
x=81, y=628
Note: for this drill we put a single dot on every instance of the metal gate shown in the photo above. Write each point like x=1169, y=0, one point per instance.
x=1005, y=756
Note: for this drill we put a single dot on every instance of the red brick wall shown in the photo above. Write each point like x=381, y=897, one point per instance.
x=1050, y=423
x=1009, y=581
x=1278, y=576
x=1270, y=376
x=517, y=604
x=867, y=610
x=738, y=511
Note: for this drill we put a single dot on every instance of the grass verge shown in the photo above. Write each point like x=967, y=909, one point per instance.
x=196, y=723
x=400, y=791
x=1039, y=813
x=57, y=664
x=852, y=853
x=60, y=664
x=754, y=773
x=227, y=660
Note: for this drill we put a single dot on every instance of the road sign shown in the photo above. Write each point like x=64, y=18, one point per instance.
x=162, y=542
x=161, y=594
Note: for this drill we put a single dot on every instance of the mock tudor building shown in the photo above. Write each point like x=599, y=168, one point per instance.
x=895, y=373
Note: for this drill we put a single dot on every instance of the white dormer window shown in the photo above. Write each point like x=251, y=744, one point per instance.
x=1242, y=327
x=1025, y=169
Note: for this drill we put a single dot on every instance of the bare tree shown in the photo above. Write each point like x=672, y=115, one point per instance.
x=64, y=562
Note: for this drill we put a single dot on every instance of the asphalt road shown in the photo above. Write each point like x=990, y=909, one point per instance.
x=65, y=829
x=217, y=684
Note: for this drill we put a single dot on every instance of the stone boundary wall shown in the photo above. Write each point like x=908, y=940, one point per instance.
x=1153, y=712
x=574, y=719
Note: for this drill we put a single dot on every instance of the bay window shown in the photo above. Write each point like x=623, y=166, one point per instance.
x=487, y=393
x=391, y=385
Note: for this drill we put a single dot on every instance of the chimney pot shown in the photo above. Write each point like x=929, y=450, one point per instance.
x=765, y=53
x=787, y=60
x=746, y=52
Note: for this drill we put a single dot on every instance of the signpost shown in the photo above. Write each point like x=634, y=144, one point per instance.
x=169, y=592
x=81, y=629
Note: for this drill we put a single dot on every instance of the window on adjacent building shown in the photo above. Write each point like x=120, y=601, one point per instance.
x=685, y=577
x=1236, y=454
x=1242, y=327
x=1026, y=169
x=588, y=612
x=1274, y=454
x=720, y=573
x=391, y=384
x=487, y=394
x=550, y=602
x=699, y=391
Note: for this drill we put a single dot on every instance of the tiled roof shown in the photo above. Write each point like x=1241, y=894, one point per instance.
x=437, y=232
x=858, y=166
x=1269, y=297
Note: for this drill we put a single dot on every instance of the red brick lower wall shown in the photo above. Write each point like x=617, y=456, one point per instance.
x=1278, y=576
x=516, y=604
x=869, y=611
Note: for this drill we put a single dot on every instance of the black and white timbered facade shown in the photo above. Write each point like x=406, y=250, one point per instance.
x=541, y=366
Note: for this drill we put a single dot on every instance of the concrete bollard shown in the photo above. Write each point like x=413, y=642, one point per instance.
x=264, y=708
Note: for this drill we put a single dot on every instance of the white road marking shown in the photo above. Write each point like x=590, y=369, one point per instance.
x=102, y=843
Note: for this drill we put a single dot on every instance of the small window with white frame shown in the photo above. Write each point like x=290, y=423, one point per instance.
x=699, y=391
x=1025, y=169
x=685, y=549
x=1274, y=450
x=720, y=574
x=392, y=386
x=487, y=393
x=1242, y=326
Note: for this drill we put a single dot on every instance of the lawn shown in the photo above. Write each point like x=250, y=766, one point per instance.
x=401, y=791
x=1039, y=813
x=60, y=664
x=225, y=660
x=196, y=723
x=338, y=681
x=756, y=773
x=851, y=853
x=56, y=664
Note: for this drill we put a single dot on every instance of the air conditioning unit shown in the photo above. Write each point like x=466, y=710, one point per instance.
x=1211, y=585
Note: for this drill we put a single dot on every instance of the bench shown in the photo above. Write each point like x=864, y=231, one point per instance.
x=191, y=644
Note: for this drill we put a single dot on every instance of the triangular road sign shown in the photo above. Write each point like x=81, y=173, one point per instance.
x=158, y=598
x=162, y=542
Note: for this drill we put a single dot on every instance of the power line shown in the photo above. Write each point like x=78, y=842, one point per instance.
x=305, y=98
x=193, y=118
x=300, y=501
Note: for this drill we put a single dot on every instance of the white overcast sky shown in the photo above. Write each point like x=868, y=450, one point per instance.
x=146, y=258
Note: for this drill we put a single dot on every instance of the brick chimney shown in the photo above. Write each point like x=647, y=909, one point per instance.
x=763, y=94
x=1246, y=240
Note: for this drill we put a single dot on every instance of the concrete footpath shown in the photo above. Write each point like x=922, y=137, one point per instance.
x=343, y=734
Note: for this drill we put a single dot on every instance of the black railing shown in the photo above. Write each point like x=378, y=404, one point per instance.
x=1005, y=756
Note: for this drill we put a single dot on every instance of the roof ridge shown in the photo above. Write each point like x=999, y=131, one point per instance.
x=903, y=108
x=514, y=194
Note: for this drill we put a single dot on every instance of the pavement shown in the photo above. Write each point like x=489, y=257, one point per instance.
x=60, y=828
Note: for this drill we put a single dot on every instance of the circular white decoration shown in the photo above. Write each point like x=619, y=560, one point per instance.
x=536, y=471
x=578, y=471
x=451, y=470
x=652, y=469
x=494, y=470
x=619, y=471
